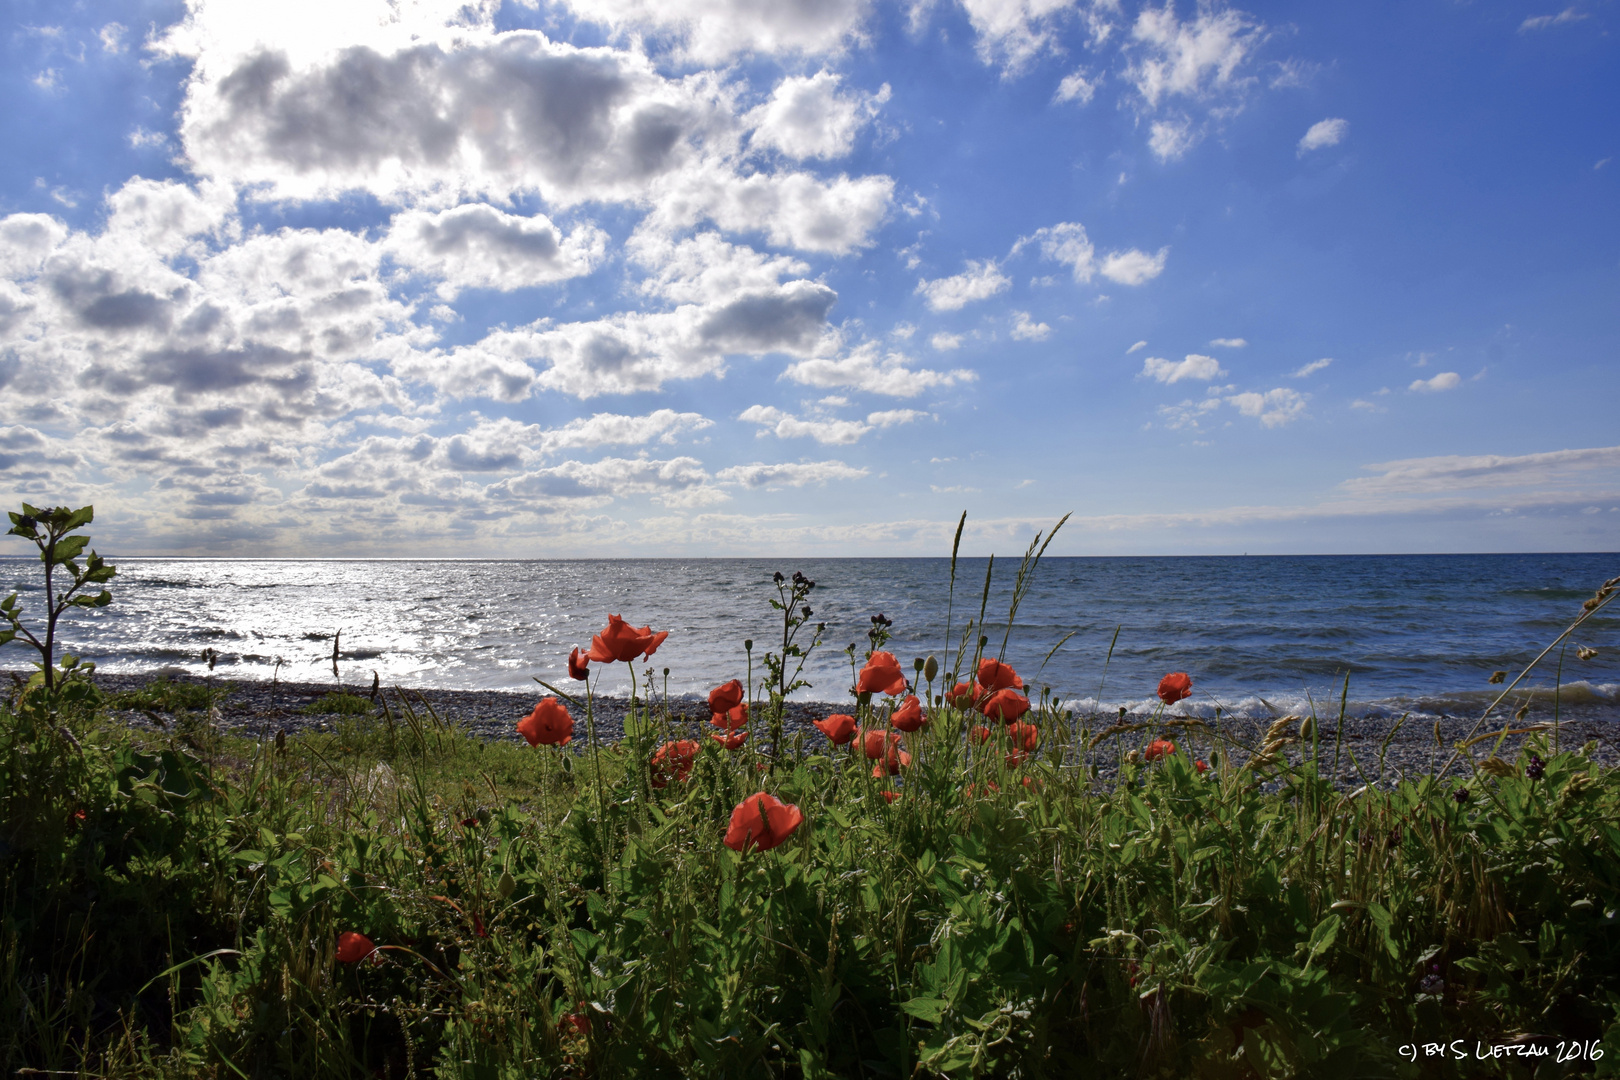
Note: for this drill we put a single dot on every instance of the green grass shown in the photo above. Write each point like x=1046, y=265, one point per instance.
x=1177, y=924
x=340, y=704
x=164, y=695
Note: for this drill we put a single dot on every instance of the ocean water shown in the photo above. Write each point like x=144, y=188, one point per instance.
x=1418, y=633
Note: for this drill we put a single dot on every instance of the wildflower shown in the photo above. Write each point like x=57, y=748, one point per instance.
x=909, y=717
x=731, y=740
x=353, y=948
x=579, y=665
x=839, y=727
x=673, y=761
x=478, y=926
x=1535, y=767
x=575, y=1023
x=1016, y=758
x=994, y=675
x=1201, y=765
x=881, y=674
x=732, y=718
x=980, y=734
x=991, y=788
x=1024, y=736
x=962, y=695
x=890, y=796
x=726, y=696
x=1006, y=705
x=621, y=641
x=549, y=723
x=763, y=822
x=874, y=740
x=469, y=823
x=896, y=760
x=1432, y=982
x=1461, y=795
x=1159, y=748
x=1174, y=687
x=79, y=815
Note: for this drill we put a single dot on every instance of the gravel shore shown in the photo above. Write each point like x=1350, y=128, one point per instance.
x=1372, y=750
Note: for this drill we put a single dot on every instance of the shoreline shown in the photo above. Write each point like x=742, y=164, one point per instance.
x=261, y=709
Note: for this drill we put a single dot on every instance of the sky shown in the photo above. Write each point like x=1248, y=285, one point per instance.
x=777, y=277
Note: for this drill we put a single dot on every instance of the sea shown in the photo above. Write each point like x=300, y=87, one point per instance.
x=1375, y=635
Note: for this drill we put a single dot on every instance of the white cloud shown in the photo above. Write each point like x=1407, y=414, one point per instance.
x=1171, y=139
x=1133, y=267
x=800, y=474
x=1027, y=329
x=979, y=281
x=864, y=369
x=1542, y=22
x=792, y=209
x=827, y=431
x=708, y=31
x=1067, y=242
x=1193, y=367
x=1077, y=88
x=609, y=429
x=476, y=246
x=1446, y=380
x=112, y=37
x=1274, y=408
x=1453, y=472
x=1312, y=368
x=1013, y=32
x=1140, y=345
x=808, y=117
x=1324, y=133
x=1229, y=343
x=1196, y=59
x=706, y=268
x=944, y=342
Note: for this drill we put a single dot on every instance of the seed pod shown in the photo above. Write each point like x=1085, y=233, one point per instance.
x=1495, y=766
x=1496, y=677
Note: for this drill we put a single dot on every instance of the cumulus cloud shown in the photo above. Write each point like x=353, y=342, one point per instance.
x=1194, y=366
x=1068, y=243
x=792, y=209
x=1446, y=380
x=1323, y=133
x=1312, y=368
x=476, y=246
x=945, y=342
x=1171, y=139
x=1012, y=33
x=1076, y=87
x=809, y=116
x=1198, y=58
x=1274, y=408
x=864, y=369
x=708, y=31
x=980, y=281
x=825, y=430
x=1025, y=328
x=705, y=268
x=797, y=474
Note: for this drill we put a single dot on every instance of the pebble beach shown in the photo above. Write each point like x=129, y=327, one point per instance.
x=1367, y=750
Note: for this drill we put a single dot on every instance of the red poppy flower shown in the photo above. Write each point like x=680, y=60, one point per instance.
x=994, y=675
x=890, y=796
x=980, y=734
x=726, y=696
x=991, y=788
x=1174, y=687
x=579, y=665
x=673, y=761
x=1024, y=736
x=550, y=723
x=1016, y=758
x=874, y=740
x=1201, y=765
x=962, y=695
x=731, y=719
x=881, y=674
x=1159, y=748
x=1005, y=705
x=762, y=821
x=839, y=727
x=621, y=641
x=575, y=1023
x=731, y=740
x=353, y=948
x=897, y=760
x=478, y=927
x=909, y=716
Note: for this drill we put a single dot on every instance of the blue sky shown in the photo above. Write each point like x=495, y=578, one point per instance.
x=705, y=277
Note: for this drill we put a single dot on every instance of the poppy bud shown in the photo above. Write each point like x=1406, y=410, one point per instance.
x=748, y=644
x=353, y=948
x=930, y=668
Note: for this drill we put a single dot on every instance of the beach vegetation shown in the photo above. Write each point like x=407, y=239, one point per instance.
x=956, y=895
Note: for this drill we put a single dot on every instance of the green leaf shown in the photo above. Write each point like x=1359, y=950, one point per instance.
x=1322, y=938
x=69, y=547
x=931, y=1009
x=1386, y=925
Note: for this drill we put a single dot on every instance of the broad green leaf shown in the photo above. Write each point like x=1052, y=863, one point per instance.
x=931, y=1009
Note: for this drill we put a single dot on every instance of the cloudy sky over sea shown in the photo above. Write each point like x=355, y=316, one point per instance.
x=652, y=277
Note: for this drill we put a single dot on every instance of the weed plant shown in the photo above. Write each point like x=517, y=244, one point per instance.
x=396, y=898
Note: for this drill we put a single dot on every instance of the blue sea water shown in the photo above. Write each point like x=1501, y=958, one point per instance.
x=1414, y=633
